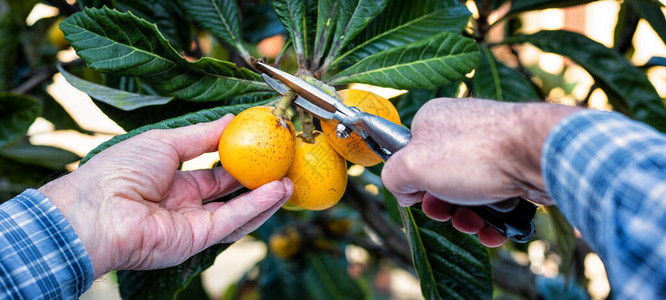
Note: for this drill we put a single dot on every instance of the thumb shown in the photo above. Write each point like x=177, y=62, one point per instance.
x=401, y=179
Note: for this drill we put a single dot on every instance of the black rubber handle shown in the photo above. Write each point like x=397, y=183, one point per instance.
x=513, y=217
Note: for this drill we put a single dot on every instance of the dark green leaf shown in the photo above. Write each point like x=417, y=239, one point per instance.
x=169, y=16
x=326, y=277
x=565, y=239
x=279, y=279
x=655, y=61
x=130, y=120
x=17, y=113
x=628, y=89
x=122, y=44
x=494, y=80
x=55, y=113
x=44, y=156
x=327, y=14
x=194, y=290
x=10, y=37
x=116, y=98
x=353, y=16
x=292, y=15
x=409, y=103
x=450, y=264
x=425, y=64
x=93, y=3
x=185, y=120
x=310, y=26
x=651, y=12
x=15, y=177
x=259, y=21
x=625, y=28
x=21, y=8
x=518, y=6
x=169, y=282
x=414, y=27
x=221, y=17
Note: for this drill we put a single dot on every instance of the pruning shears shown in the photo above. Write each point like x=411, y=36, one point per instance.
x=513, y=217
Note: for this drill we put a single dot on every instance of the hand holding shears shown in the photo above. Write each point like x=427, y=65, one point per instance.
x=513, y=217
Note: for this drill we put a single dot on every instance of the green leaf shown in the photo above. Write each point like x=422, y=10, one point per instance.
x=353, y=16
x=16, y=177
x=43, y=156
x=10, y=38
x=651, y=12
x=326, y=277
x=17, y=113
x=408, y=104
x=169, y=282
x=206, y=115
x=523, y=6
x=450, y=264
x=122, y=44
x=413, y=27
x=327, y=14
x=425, y=64
x=625, y=28
x=221, y=18
x=259, y=21
x=280, y=279
x=292, y=15
x=169, y=16
x=494, y=80
x=116, y=98
x=565, y=239
x=628, y=89
x=55, y=113
x=130, y=120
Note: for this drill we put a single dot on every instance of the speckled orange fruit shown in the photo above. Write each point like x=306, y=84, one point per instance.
x=285, y=244
x=56, y=36
x=353, y=148
x=319, y=174
x=257, y=147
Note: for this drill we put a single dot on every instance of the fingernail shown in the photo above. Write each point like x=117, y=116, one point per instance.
x=288, y=187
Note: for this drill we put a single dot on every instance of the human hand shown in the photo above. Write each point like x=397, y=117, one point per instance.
x=472, y=152
x=133, y=209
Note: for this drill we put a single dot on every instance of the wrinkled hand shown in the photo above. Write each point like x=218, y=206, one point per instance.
x=133, y=209
x=472, y=152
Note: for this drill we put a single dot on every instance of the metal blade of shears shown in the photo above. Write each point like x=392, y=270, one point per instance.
x=305, y=104
x=309, y=92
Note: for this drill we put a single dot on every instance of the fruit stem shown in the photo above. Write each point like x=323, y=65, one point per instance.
x=322, y=86
x=280, y=109
x=307, y=126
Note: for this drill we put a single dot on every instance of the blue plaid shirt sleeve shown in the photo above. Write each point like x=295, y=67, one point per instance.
x=607, y=174
x=41, y=257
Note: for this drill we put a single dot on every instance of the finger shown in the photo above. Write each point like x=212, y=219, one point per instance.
x=398, y=178
x=238, y=212
x=253, y=224
x=210, y=183
x=437, y=209
x=466, y=220
x=194, y=140
x=492, y=238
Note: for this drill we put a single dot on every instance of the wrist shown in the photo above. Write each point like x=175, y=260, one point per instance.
x=534, y=122
x=66, y=194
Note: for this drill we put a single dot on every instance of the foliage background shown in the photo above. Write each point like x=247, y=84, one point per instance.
x=505, y=72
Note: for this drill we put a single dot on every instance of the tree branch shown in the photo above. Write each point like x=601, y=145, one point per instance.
x=513, y=277
x=392, y=237
x=36, y=78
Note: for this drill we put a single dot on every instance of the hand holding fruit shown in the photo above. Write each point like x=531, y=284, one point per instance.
x=133, y=209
